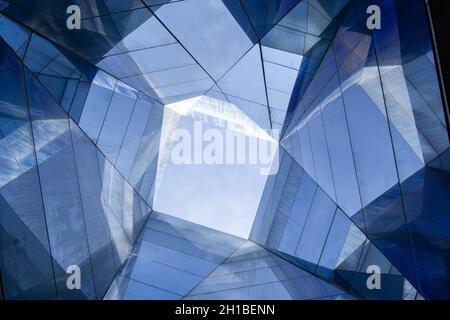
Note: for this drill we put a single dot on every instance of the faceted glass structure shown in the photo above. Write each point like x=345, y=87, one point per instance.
x=360, y=187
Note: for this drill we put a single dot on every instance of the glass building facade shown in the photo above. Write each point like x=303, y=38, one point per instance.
x=362, y=178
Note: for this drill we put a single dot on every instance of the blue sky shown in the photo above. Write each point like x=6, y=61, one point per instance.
x=223, y=197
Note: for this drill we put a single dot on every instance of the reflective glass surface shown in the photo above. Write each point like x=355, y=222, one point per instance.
x=87, y=119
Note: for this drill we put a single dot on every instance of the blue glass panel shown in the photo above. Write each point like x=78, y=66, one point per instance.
x=117, y=199
x=341, y=157
x=298, y=215
x=245, y=79
x=79, y=100
x=371, y=141
x=426, y=201
x=25, y=259
x=174, y=258
x=49, y=121
x=146, y=60
x=286, y=202
x=141, y=30
x=68, y=241
x=386, y=216
x=316, y=229
x=319, y=146
x=16, y=148
x=307, y=155
x=334, y=245
x=96, y=105
x=133, y=137
x=200, y=31
x=15, y=35
x=266, y=13
x=159, y=275
x=255, y=273
x=97, y=228
x=127, y=289
x=116, y=121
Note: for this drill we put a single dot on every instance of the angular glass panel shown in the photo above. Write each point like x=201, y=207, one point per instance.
x=95, y=215
x=245, y=79
x=25, y=260
x=316, y=229
x=116, y=121
x=15, y=35
x=96, y=105
x=254, y=273
x=200, y=31
x=127, y=289
x=341, y=156
x=321, y=154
